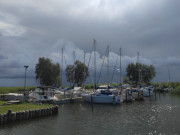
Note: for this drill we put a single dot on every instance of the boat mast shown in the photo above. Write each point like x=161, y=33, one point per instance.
x=74, y=63
x=120, y=66
x=94, y=43
x=139, y=78
x=62, y=69
x=108, y=64
x=84, y=68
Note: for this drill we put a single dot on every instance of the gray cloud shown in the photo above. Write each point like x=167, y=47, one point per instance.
x=33, y=29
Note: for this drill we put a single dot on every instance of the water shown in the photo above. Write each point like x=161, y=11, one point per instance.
x=136, y=118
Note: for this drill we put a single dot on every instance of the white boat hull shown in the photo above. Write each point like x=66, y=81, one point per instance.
x=100, y=98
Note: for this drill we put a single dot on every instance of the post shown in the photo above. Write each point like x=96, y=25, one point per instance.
x=114, y=101
x=92, y=106
x=108, y=65
x=120, y=66
x=139, y=79
x=62, y=70
x=94, y=42
x=25, y=79
x=84, y=70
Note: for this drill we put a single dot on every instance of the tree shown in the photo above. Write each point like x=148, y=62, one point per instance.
x=47, y=73
x=77, y=73
x=140, y=73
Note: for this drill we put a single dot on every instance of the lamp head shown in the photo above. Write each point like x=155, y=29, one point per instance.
x=26, y=66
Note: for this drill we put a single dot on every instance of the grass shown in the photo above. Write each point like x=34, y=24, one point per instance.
x=4, y=90
x=2, y=102
x=174, y=85
x=22, y=107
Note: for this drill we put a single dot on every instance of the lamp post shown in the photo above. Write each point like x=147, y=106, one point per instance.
x=25, y=79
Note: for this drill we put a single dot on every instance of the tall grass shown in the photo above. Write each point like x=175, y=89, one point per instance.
x=175, y=86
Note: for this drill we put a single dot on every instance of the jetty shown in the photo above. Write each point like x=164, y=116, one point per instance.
x=68, y=100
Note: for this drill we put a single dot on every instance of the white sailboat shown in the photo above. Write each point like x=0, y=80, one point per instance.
x=104, y=96
x=42, y=94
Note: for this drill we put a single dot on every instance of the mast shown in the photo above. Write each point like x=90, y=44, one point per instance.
x=108, y=64
x=84, y=68
x=139, y=78
x=62, y=69
x=73, y=71
x=94, y=43
x=120, y=66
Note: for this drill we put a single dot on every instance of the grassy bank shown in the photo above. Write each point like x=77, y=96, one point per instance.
x=175, y=86
x=22, y=107
x=4, y=90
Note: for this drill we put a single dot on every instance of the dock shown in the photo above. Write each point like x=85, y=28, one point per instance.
x=12, y=102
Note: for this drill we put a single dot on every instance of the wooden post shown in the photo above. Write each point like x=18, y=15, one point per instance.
x=114, y=102
x=92, y=106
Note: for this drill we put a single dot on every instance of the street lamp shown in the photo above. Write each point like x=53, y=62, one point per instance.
x=25, y=79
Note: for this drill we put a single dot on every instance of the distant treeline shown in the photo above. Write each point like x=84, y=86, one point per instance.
x=174, y=86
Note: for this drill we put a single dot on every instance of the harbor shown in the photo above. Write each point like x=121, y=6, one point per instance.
x=160, y=116
x=94, y=67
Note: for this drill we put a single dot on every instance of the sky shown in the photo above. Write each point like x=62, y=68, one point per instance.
x=41, y=28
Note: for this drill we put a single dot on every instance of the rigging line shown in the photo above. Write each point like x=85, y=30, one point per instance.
x=102, y=65
x=114, y=70
x=90, y=56
x=65, y=61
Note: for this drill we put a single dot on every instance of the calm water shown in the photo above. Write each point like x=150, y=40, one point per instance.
x=146, y=117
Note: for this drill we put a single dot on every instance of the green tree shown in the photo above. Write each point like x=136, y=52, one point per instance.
x=140, y=73
x=47, y=73
x=77, y=73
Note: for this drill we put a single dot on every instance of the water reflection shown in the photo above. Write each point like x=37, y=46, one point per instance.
x=160, y=116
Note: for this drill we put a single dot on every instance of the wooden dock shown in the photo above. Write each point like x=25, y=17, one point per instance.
x=68, y=100
x=12, y=102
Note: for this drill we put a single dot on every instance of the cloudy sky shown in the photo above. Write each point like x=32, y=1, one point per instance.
x=40, y=28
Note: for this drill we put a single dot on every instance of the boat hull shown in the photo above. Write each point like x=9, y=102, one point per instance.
x=102, y=99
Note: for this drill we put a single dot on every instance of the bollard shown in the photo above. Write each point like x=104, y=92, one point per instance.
x=26, y=115
x=17, y=116
x=1, y=118
x=33, y=114
x=53, y=110
x=50, y=110
x=46, y=112
x=13, y=117
x=41, y=111
x=56, y=108
x=5, y=118
x=36, y=113
x=9, y=115
x=23, y=115
x=20, y=116
x=30, y=114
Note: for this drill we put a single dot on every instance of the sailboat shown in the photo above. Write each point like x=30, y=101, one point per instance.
x=104, y=96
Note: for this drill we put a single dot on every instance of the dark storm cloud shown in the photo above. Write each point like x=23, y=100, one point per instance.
x=32, y=29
